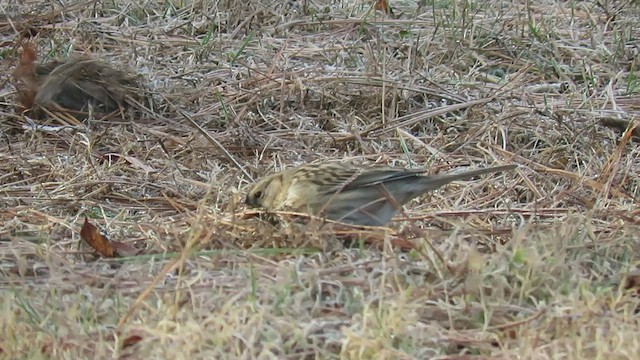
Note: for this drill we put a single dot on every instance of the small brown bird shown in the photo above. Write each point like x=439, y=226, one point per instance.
x=75, y=85
x=80, y=83
x=349, y=194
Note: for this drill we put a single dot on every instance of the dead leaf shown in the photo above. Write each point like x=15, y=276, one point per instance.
x=92, y=236
x=131, y=340
x=383, y=5
x=25, y=76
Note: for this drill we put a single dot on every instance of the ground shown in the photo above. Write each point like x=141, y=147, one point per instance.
x=537, y=263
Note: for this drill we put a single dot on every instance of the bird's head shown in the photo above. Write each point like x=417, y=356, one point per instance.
x=265, y=192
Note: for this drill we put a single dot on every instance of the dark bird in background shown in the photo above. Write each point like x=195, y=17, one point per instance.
x=77, y=86
x=82, y=83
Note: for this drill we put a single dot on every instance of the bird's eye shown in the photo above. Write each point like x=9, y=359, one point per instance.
x=257, y=195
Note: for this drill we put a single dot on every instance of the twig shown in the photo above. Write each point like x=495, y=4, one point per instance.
x=214, y=142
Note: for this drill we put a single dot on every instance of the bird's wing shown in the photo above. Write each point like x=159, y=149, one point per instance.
x=375, y=176
x=337, y=177
x=329, y=177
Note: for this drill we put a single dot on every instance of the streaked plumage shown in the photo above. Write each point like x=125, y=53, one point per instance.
x=355, y=195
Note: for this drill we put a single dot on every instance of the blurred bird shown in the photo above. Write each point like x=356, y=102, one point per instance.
x=350, y=194
x=82, y=83
x=75, y=86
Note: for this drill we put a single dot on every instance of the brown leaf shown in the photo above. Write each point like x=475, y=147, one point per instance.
x=131, y=340
x=383, y=5
x=92, y=236
x=25, y=76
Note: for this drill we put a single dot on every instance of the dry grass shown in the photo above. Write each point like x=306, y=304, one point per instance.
x=535, y=258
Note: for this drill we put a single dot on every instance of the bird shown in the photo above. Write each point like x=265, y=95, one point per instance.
x=75, y=85
x=363, y=196
x=78, y=84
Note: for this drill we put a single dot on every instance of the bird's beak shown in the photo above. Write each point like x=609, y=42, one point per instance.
x=250, y=201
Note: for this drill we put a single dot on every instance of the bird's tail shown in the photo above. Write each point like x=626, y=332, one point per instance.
x=435, y=181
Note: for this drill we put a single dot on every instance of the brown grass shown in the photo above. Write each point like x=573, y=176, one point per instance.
x=536, y=259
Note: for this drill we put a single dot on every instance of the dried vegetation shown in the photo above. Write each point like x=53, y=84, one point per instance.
x=537, y=263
